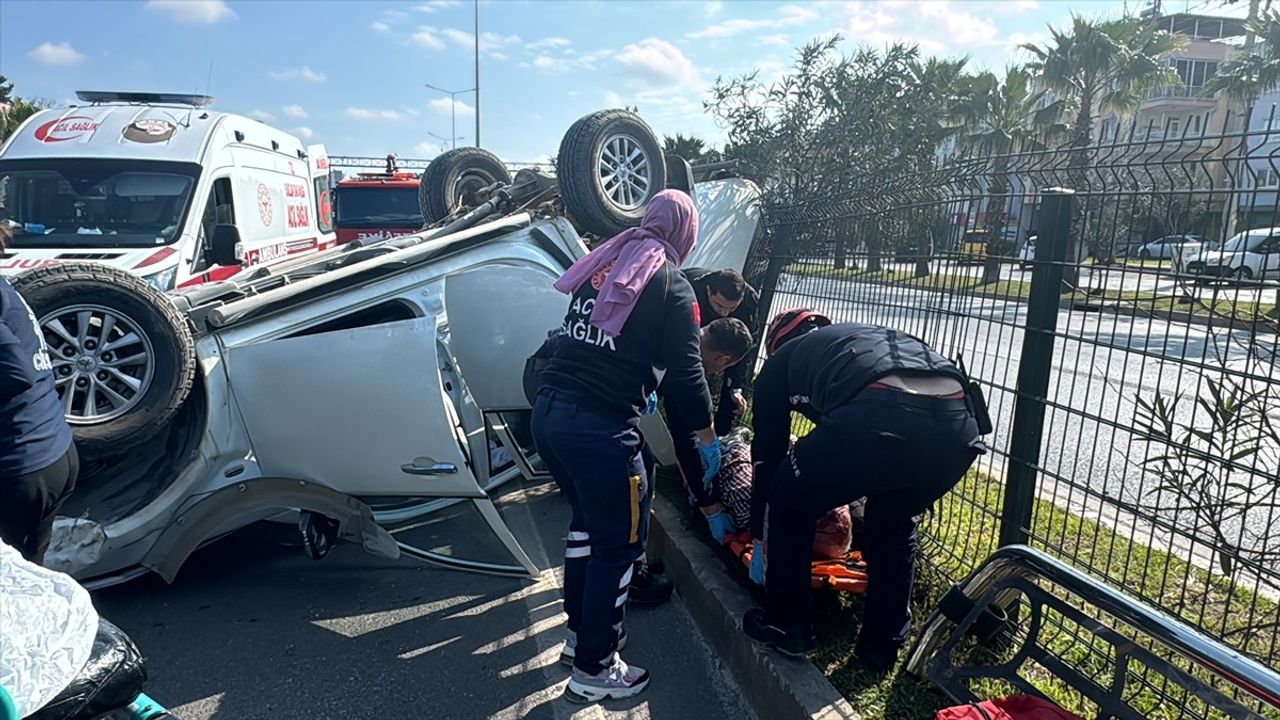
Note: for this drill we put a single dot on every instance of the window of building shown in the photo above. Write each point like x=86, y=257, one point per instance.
x=1266, y=177
x=1172, y=127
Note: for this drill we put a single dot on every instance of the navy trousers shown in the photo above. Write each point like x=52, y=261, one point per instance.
x=597, y=461
x=902, y=452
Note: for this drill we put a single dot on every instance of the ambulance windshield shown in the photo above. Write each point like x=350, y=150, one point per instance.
x=92, y=202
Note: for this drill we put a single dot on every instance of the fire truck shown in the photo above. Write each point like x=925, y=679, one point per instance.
x=377, y=206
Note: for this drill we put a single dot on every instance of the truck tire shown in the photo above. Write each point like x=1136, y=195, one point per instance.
x=610, y=164
x=452, y=177
x=123, y=355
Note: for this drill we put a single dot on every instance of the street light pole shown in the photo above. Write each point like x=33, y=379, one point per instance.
x=477, y=49
x=453, y=108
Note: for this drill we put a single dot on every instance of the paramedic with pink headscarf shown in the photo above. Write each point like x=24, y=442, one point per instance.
x=631, y=317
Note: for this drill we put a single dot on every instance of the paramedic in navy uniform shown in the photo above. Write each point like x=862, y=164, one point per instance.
x=631, y=316
x=38, y=463
x=893, y=425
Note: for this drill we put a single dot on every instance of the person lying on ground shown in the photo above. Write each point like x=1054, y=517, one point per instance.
x=893, y=423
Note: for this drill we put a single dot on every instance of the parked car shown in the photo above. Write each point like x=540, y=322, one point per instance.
x=1171, y=246
x=362, y=386
x=973, y=246
x=1027, y=254
x=139, y=181
x=1252, y=254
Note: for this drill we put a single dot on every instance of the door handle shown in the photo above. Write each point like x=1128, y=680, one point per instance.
x=428, y=466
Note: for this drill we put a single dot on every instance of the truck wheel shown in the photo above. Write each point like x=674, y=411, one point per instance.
x=610, y=164
x=452, y=179
x=123, y=356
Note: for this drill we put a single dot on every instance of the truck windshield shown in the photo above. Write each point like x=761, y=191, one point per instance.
x=91, y=202
x=383, y=207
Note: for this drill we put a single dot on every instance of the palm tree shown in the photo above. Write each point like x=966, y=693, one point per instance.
x=996, y=119
x=691, y=148
x=1100, y=65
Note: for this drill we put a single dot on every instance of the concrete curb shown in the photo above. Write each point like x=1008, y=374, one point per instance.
x=776, y=686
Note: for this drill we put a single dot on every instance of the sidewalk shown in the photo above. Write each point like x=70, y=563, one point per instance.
x=252, y=629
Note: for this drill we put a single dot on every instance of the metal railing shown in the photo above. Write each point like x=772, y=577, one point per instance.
x=1137, y=409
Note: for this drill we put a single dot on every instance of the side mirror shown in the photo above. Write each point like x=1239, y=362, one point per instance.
x=225, y=248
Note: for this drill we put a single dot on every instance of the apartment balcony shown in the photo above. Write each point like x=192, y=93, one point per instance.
x=1185, y=97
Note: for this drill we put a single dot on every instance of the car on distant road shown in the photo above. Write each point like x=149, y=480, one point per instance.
x=1250, y=255
x=1171, y=246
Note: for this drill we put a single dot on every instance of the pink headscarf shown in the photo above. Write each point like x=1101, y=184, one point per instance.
x=669, y=231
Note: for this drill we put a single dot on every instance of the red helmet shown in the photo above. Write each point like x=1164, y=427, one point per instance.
x=790, y=324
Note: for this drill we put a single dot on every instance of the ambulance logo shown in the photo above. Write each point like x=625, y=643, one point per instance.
x=265, y=212
x=67, y=128
x=597, y=280
x=149, y=131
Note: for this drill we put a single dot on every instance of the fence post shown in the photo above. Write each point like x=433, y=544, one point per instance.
x=779, y=256
x=1035, y=364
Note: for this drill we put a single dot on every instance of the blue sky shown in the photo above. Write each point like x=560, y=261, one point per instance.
x=351, y=74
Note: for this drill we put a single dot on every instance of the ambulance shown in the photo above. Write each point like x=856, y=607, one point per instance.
x=140, y=181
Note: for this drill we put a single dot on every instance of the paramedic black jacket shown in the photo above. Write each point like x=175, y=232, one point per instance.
x=615, y=375
x=818, y=373
x=737, y=377
x=33, y=431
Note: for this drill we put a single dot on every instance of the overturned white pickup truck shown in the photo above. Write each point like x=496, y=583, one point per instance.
x=364, y=386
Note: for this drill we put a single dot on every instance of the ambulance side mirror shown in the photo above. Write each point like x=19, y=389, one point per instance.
x=225, y=248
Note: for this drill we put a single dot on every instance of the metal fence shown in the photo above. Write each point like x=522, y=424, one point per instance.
x=1135, y=402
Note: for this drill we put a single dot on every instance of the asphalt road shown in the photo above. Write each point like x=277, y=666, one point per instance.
x=1101, y=365
x=252, y=629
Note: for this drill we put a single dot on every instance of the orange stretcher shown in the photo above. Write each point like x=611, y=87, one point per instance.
x=846, y=574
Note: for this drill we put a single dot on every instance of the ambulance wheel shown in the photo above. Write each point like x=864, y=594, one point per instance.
x=452, y=179
x=609, y=166
x=122, y=354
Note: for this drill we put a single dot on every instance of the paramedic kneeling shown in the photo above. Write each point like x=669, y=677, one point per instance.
x=893, y=425
x=38, y=464
x=631, y=312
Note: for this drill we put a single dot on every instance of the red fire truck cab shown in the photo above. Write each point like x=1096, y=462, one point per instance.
x=377, y=205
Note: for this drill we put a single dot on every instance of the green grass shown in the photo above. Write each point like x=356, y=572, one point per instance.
x=963, y=532
x=1242, y=311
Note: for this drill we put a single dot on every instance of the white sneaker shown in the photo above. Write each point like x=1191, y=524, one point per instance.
x=617, y=680
x=571, y=646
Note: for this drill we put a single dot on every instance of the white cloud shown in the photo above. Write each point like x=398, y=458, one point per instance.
x=299, y=73
x=430, y=148
x=548, y=42
x=194, y=12
x=358, y=113
x=294, y=111
x=550, y=64
x=489, y=41
x=304, y=132
x=380, y=27
x=427, y=38
x=498, y=56
x=788, y=16
x=937, y=26
x=262, y=115
x=436, y=5
x=56, y=54
x=444, y=107
x=714, y=7
x=658, y=63
x=775, y=40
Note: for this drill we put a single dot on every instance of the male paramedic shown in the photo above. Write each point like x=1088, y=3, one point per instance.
x=631, y=312
x=895, y=424
x=724, y=342
x=38, y=462
x=724, y=294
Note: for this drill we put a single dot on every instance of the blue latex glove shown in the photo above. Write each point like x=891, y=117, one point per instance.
x=721, y=526
x=710, y=462
x=759, y=563
x=652, y=406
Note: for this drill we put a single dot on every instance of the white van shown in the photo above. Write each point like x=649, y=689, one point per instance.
x=139, y=181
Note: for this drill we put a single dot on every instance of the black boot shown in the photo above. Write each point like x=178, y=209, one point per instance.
x=647, y=586
x=794, y=640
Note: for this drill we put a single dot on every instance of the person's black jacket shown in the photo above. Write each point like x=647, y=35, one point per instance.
x=615, y=375
x=819, y=372
x=33, y=430
x=737, y=377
